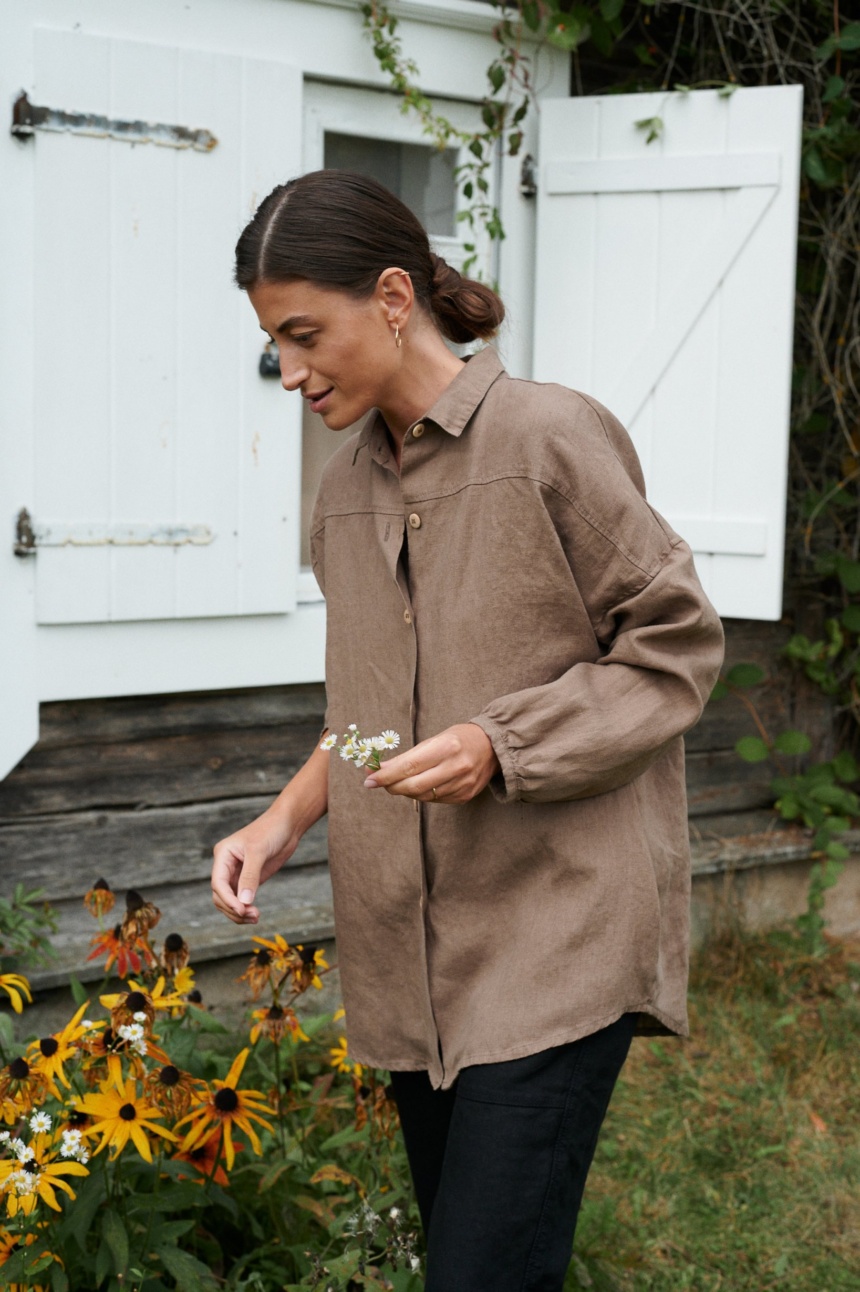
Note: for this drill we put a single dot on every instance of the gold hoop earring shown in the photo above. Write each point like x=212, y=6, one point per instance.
x=397, y=338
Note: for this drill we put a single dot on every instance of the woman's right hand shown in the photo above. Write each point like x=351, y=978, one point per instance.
x=246, y=859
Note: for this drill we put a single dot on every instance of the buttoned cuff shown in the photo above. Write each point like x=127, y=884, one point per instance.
x=506, y=785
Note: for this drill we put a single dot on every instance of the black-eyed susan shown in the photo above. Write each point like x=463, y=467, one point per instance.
x=276, y=1022
x=22, y=1088
x=129, y=957
x=340, y=1058
x=119, y=1115
x=306, y=972
x=258, y=975
x=170, y=1089
x=33, y=1174
x=174, y=954
x=141, y=916
x=183, y=981
x=230, y=1108
x=17, y=989
x=100, y=899
x=49, y=1054
x=280, y=951
x=203, y=1157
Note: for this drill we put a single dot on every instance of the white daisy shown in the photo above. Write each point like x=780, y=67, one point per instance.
x=346, y=753
x=352, y=727
x=329, y=742
x=390, y=740
x=40, y=1122
x=139, y=1017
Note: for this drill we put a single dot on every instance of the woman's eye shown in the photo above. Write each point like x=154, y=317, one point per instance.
x=304, y=337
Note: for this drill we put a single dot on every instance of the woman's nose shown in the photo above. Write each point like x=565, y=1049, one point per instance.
x=293, y=375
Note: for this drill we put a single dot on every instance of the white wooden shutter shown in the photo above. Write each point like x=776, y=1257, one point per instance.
x=167, y=469
x=665, y=288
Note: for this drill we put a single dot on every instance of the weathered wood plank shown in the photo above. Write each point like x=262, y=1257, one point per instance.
x=297, y=903
x=126, y=718
x=720, y=781
x=157, y=771
x=65, y=854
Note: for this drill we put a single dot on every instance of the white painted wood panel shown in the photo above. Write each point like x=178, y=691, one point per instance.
x=170, y=423
x=664, y=287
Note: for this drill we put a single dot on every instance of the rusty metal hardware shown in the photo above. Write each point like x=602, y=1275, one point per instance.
x=270, y=364
x=528, y=176
x=29, y=537
x=28, y=117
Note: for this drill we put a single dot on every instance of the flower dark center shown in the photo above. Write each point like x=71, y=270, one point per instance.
x=226, y=1100
x=19, y=1069
x=169, y=1076
x=128, y=1112
x=49, y=1046
x=307, y=954
x=275, y=1011
x=195, y=996
x=262, y=957
x=109, y=1037
x=173, y=942
x=31, y=1167
x=364, y=1091
x=77, y=1119
x=117, y=931
x=103, y=884
x=135, y=1001
x=133, y=900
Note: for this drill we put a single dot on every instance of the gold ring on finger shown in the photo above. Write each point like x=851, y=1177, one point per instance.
x=433, y=792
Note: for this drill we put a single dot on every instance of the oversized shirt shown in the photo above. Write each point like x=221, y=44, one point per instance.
x=512, y=574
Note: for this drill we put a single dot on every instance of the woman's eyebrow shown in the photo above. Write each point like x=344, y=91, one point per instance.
x=295, y=320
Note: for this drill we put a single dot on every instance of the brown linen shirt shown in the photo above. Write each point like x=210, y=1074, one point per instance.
x=544, y=599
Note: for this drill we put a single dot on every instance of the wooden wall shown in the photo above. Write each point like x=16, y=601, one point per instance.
x=138, y=790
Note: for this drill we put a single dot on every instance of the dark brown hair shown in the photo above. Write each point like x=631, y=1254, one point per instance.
x=340, y=229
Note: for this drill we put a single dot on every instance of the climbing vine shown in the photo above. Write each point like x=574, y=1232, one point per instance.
x=626, y=46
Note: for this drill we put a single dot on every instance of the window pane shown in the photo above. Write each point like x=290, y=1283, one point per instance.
x=419, y=175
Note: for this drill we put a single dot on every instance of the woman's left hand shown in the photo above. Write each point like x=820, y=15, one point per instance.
x=457, y=764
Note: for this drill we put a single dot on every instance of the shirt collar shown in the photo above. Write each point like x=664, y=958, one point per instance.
x=451, y=410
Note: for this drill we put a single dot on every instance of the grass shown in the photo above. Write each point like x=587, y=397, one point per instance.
x=731, y=1161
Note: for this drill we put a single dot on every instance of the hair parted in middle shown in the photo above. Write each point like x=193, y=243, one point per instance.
x=340, y=229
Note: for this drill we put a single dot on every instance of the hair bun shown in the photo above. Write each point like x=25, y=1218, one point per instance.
x=464, y=308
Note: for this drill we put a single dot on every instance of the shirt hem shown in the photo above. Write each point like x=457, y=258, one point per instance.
x=678, y=1027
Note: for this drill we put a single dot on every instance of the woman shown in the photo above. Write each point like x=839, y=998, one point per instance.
x=511, y=890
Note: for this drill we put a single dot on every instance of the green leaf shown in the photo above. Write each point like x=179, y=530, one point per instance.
x=78, y=990
x=752, y=749
x=849, y=573
x=834, y=87
x=190, y=1274
x=848, y=39
x=654, y=126
x=837, y=851
x=497, y=76
x=7, y=1033
x=568, y=32
x=103, y=1262
x=745, y=675
x=845, y=766
x=720, y=690
x=851, y=618
x=611, y=9
x=792, y=742
x=114, y=1234
x=726, y=91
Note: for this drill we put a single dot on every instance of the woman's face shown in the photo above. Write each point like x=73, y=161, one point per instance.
x=338, y=351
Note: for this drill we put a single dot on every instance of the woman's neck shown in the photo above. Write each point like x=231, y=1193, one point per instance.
x=427, y=369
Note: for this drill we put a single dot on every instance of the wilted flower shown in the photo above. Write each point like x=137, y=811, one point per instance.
x=274, y=1023
x=141, y=916
x=128, y=956
x=174, y=954
x=100, y=899
x=170, y=1089
x=259, y=971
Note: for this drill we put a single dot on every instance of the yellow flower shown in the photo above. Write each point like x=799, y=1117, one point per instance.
x=274, y=1023
x=183, y=981
x=305, y=973
x=16, y=987
x=33, y=1174
x=51, y=1053
x=119, y=1116
x=340, y=1058
x=228, y=1107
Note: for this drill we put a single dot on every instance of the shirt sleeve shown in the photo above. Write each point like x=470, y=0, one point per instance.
x=659, y=641
x=601, y=724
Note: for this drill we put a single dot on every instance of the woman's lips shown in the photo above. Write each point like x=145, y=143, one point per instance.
x=318, y=402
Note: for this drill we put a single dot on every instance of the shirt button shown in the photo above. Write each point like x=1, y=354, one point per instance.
x=415, y=520
x=407, y=615
x=418, y=430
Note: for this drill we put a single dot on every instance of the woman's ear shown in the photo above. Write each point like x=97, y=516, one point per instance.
x=396, y=296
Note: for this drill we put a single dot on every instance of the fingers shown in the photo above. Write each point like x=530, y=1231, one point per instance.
x=458, y=764
x=234, y=885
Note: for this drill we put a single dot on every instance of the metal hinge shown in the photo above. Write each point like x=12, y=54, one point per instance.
x=28, y=538
x=528, y=176
x=28, y=117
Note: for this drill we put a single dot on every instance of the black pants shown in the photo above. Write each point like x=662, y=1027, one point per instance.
x=499, y=1161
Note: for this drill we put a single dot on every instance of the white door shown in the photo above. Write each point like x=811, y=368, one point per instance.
x=665, y=288
x=165, y=468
